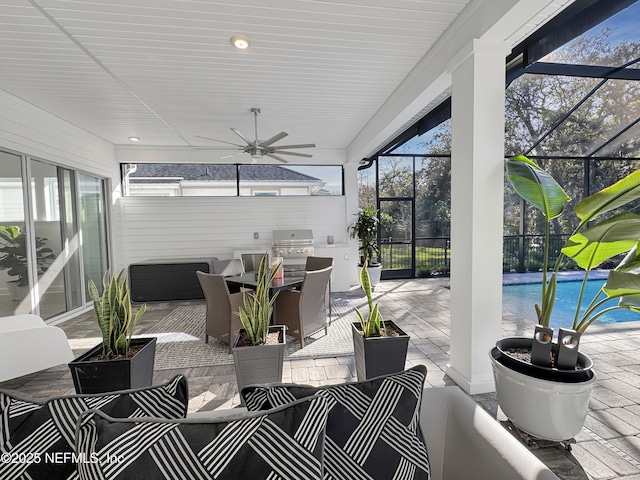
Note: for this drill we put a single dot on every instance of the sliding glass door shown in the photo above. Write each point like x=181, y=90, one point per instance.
x=53, y=236
x=14, y=274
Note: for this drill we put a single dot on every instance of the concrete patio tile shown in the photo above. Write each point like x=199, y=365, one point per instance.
x=302, y=363
x=316, y=374
x=599, y=428
x=590, y=463
x=610, y=460
x=299, y=375
x=621, y=420
x=610, y=398
x=337, y=371
x=622, y=388
x=628, y=445
x=322, y=362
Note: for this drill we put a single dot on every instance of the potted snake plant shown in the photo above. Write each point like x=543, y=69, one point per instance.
x=258, y=349
x=380, y=347
x=542, y=386
x=120, y=362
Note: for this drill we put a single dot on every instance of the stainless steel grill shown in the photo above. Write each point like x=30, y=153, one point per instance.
x=294, y=246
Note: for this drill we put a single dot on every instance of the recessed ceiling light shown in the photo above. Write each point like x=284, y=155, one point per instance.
x=240, y=42
x=134, y=139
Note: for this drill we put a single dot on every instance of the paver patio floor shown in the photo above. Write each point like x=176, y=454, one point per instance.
x=608, y=446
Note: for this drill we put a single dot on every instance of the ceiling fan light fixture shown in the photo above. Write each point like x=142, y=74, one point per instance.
x=240, y=42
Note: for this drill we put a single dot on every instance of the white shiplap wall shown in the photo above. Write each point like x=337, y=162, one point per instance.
x=28, y=129
x=169, y=227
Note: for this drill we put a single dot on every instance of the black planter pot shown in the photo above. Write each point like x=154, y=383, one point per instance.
x=111, y=375
x=259, y=364
x=377, y=356
x=578, y=375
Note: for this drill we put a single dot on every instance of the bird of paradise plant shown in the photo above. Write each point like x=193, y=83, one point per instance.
x=592, y=242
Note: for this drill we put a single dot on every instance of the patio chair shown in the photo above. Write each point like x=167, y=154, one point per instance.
x=251, y=261
x=228, y=268
x=304, y=312
x=318, y=263
x=222, y=320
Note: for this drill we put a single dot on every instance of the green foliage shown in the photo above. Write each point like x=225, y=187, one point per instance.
x=256, y=309
x=365, y=228
x=114, y=313
x=591, y=244
x=372, y=324
x=13, y=244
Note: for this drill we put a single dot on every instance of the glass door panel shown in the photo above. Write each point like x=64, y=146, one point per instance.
x=57, y=239
x=93, y=224
x=48, y=232
x=396, y=238
x=72, y=277
x=14, y=277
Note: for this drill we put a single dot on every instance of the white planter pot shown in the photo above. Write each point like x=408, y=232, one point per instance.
x=375, y=273
x=544, y=409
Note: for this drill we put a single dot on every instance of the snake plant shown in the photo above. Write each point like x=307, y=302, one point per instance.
x=114, y=313
x=257, y=305
x=372, y=324
x=591, y=243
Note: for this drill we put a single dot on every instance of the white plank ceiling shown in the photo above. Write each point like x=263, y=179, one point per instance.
x=165, y=71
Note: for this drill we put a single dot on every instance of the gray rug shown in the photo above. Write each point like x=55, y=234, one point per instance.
x=181, y=339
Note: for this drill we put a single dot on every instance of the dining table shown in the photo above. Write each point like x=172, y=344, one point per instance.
x=249, y=280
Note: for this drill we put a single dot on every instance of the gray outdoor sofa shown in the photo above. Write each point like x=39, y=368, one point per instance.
x=353, y=430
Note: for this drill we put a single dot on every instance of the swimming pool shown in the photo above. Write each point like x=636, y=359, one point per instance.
x=520, y=299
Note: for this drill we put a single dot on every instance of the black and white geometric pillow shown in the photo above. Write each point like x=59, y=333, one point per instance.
x=283, y=443
x=373, y=430
x=38, y=436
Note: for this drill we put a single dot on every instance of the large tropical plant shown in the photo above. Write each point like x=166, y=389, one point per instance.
x=372, y=324
x=13, y=251
x=365, y=229
x=594, y=240
x=257, y=306
x=114, y=313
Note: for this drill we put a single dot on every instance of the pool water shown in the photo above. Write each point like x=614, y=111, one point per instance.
x=521, y=298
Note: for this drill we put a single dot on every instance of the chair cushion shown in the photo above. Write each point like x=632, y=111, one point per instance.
x=38, y=436
x=373, y=428
x=283, y=443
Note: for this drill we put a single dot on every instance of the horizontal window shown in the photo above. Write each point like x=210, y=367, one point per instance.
x=201, y=180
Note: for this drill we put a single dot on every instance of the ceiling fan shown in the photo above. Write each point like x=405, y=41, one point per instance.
x=260, y=148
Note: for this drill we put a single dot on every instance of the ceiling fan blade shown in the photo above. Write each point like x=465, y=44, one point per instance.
x=275, y=138
x=302, y=145
x=276, y=157
x=296, y=154
x=232, y=155
x=204, y=147
x=221, y=141
x=241, y=135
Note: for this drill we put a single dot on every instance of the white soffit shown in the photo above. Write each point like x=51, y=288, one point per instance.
x=338, y=74
x=165, y=71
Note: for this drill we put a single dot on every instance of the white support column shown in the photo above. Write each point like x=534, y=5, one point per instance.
x=477, y=173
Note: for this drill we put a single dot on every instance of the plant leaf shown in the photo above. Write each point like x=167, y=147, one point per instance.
x=611, y=237
x=612, y=197
x=625, y=284
x=536, y=186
